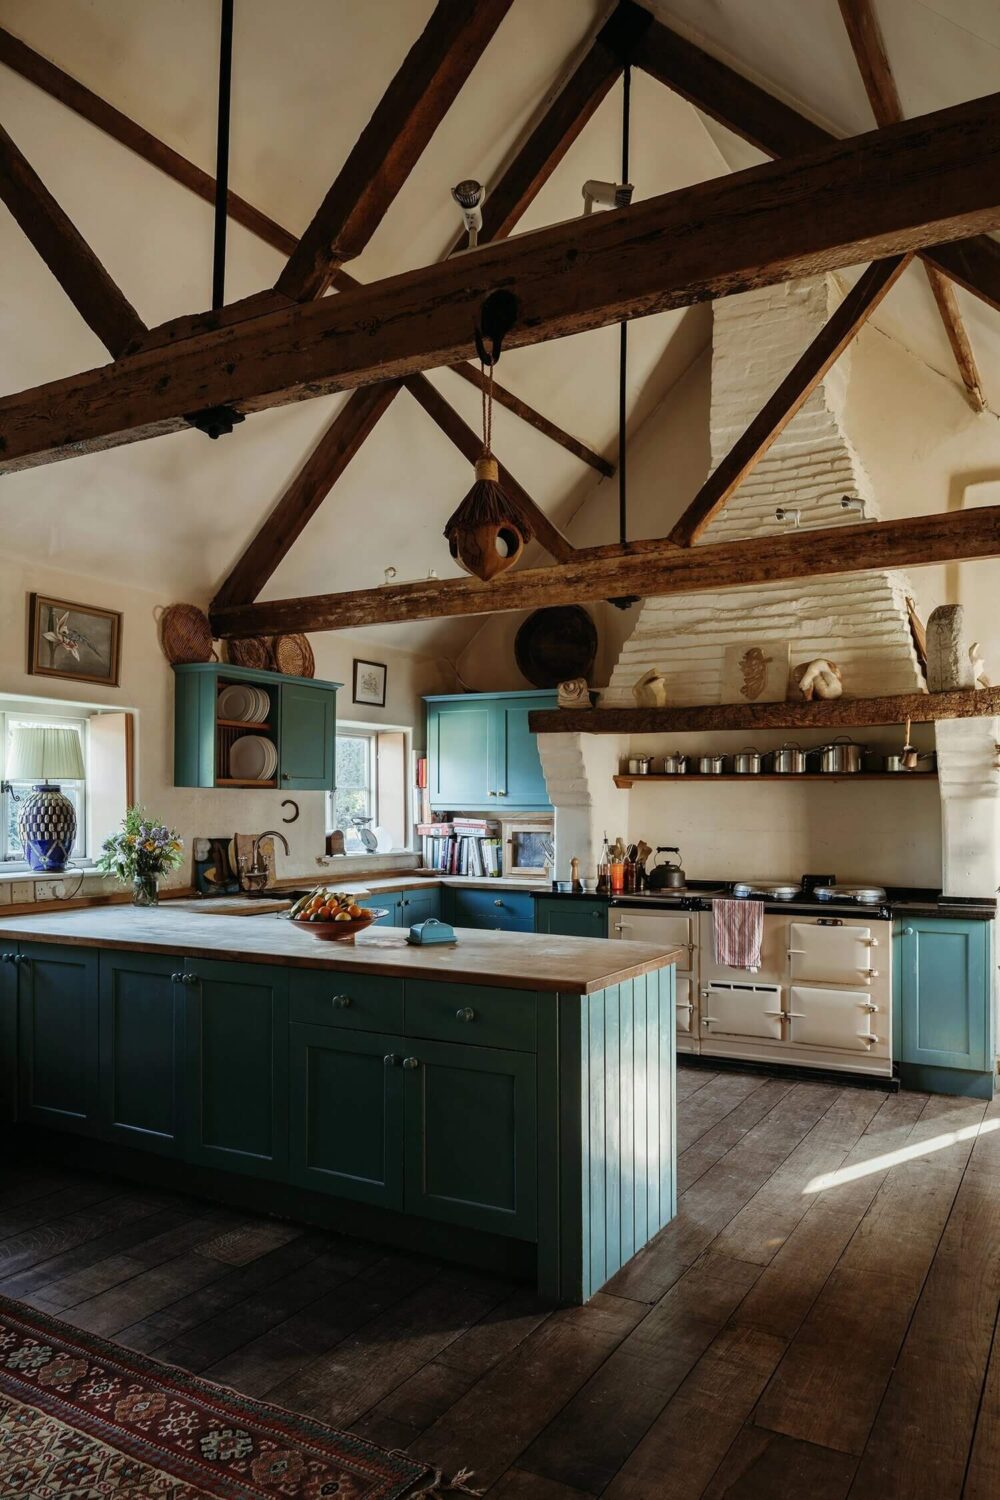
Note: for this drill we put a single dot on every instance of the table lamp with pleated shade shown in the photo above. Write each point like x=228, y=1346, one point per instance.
x=46, y=819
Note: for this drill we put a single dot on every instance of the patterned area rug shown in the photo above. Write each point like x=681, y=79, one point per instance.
x=82, y=1419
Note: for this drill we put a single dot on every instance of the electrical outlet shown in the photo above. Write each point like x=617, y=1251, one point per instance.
x=50, y=890
x=22, y=890
x=5, y=895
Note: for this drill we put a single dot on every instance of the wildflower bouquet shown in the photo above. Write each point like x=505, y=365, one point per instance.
x=141, y=852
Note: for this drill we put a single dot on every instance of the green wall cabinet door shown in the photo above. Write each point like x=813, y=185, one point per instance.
x=482, y=757
x=347, y=1113
x=8, y=1036
x=945, y=997
x=236, y=1025
x=571, y=918
x=58, y=1035
x=141, y=1050
x=470, y=1140
x=461, y=753
x=307, y=740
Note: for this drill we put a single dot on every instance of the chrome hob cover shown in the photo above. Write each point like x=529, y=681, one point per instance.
x=864, y=895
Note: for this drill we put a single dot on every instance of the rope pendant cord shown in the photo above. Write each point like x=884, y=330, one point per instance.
x=486, y=465
x=623, y=334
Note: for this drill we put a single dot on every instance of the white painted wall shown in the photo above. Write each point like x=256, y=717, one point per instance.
x=147, y=684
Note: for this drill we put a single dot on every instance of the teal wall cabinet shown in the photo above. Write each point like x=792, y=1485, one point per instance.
x=471, y=1136
x=57, y=1003
x=584, y=918
x=482, y=757
x=141, y=1025
x=347, y=1105
x=301, y=722
x=945, y=1034
x=237, y=1065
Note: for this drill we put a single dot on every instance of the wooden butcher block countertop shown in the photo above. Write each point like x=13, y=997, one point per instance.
x=520, y=961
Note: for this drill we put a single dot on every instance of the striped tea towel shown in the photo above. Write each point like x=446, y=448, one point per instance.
x=738, y=927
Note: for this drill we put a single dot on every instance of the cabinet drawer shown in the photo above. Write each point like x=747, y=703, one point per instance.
x=364, y=1002
x=502, y=910
x=472, y=1014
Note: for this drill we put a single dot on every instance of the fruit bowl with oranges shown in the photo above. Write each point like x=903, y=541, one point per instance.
x=333, y=915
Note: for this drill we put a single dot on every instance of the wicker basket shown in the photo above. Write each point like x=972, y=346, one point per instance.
x=185, y=634
x=293, y=655
x=252, y=651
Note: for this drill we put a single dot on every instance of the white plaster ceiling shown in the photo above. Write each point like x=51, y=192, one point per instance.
x=172, y=514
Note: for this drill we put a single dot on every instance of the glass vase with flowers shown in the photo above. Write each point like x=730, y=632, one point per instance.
x=140, y=853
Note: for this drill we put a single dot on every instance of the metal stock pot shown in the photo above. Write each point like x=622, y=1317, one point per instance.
x=746, y=762
x=711, y=765
x=675, y=764
x=842, y=756
x=790, y=760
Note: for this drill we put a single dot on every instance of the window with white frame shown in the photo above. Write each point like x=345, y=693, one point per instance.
x=372, y=784
x=11, y=852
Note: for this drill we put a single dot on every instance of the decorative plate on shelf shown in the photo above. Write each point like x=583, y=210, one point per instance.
x=252, y=758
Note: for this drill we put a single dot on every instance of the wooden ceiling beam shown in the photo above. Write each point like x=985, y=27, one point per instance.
x=868, y=46
x=639, y=568
x=470, y=444
x=877, y=195
x=405, y=119
x=779, y=130
x=790, y=396
x=99, y=301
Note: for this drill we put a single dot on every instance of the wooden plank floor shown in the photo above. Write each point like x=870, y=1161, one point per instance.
x=820, y=1319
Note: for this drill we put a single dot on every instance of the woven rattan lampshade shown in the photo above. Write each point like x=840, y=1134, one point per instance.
x=40, y=754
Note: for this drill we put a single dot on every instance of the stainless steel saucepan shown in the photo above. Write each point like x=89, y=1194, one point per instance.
x=711, y=765
x=790, y=760
x=747, y=762
x=842, y=757
x=675, y=764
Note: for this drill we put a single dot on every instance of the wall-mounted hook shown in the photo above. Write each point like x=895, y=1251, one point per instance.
x=497, y=317
x=295, y=810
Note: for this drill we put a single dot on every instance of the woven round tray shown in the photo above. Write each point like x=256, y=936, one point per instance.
x=293, y=655
x=185, y=634
x=253, y=651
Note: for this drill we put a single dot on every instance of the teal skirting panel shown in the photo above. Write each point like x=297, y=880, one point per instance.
x=618, y=1141
x=963, y=1081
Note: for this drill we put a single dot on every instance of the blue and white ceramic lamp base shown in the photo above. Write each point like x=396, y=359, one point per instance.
x=46, y=826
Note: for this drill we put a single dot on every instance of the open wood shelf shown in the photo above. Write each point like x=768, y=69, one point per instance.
x=696, y=776
x=838, y=713
x=241, y=724
x=241, y=781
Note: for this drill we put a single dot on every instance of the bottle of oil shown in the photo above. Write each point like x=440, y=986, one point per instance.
x=604, y=869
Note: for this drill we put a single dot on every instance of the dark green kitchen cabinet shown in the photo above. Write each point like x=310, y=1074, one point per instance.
x=141, y=1010
x=57, y=1018
x=482, y=757
x=585, y=917
x=495, y=910
x=404, y=908
x=943, y=981
x=301, y=723
x=8, y=1036
x=470, y=1136
x=346, y=1113
x=236, y=1074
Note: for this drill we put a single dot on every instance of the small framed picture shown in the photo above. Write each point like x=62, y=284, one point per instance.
x=75, y=641
x=369, y=682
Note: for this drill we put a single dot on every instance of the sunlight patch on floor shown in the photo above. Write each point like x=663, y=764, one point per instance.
x=893, y=1158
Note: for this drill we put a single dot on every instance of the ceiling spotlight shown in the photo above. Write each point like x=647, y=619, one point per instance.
x=469, y=196
x=606, y=194
x=789, y=513
x=860, y=507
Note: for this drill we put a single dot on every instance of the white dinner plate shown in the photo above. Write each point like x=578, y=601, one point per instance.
x=250, y=757
x=238, y=702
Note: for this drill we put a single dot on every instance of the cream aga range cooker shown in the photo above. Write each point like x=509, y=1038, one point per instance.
x=822, y=996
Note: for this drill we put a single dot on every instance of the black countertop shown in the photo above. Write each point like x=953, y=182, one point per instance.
x=901, y=901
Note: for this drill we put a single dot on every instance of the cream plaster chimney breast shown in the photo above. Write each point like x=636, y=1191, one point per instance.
x=860, y=620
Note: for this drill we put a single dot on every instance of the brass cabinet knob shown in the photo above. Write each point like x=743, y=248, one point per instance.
x=391, y=1060
x=410, y=1062
x=465, y=1013
x=341, y=1001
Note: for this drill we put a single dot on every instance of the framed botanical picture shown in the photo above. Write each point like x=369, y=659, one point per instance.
x=369, y=682
x=75, y=641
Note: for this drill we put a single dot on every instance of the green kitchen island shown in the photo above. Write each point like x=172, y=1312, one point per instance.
x=509, y=1101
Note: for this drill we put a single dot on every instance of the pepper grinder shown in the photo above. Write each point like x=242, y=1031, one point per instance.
x=574, y=874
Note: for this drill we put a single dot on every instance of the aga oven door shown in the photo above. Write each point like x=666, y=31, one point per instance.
x=734, y=1009
x=833, y=951
x=835, y=1019
x=673, y=929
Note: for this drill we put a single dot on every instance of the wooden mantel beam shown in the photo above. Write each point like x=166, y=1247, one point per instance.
x=413, y=106
x=894, y=190
x=790, y=396
x=641, y=568
x=779, y=130
x=103, y=307
x=868, y=46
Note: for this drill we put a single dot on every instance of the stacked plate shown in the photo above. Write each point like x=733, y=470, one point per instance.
x=244, y=704
x=253, y=758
